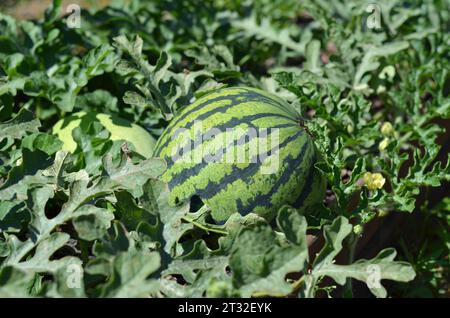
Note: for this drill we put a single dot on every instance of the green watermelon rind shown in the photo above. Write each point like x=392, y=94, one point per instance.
x=240, y=187
x=119, y=128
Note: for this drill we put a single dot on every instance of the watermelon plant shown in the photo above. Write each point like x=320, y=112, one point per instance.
x=302, y=149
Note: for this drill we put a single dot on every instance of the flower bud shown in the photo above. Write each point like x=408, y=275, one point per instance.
x=383, y=144
x=358, y=229
x=387, y=129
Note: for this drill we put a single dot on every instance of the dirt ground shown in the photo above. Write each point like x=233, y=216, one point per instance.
x=34, y=9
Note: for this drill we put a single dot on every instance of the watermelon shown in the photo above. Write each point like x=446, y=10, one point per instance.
x=205, y=144
x=119, y=128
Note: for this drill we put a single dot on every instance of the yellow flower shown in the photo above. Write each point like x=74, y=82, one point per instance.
x=374, y=181
x=387, y=129
x=383, y=144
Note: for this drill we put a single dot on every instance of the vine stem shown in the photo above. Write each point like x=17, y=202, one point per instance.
x=298, y=283
x=351, y=256
x=203, y=227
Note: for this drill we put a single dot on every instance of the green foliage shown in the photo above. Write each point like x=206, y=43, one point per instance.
x=97, y=223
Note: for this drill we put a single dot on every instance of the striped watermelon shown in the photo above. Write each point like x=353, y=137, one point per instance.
x=237, y=186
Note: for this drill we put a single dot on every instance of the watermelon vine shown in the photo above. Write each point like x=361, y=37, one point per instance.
x=225, y=149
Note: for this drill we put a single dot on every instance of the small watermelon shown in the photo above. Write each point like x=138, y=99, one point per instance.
x=204, y=147
x=119, y=128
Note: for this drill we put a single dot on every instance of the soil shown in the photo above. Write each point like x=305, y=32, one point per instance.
x=34, y=9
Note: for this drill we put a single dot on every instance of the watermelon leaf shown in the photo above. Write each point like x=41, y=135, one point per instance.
x=260, y=263
x=370, y=271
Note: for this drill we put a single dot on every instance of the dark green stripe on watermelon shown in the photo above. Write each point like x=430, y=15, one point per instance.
x=245, y=95
x=197, y=115
x=195, y=144
x=237, y=173
x=229, y=124
x=241, y=187
x=291, y=164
